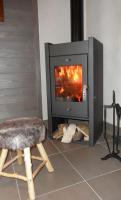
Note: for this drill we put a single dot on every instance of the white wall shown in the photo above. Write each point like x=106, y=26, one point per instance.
x=54, y=27
x=103, y=21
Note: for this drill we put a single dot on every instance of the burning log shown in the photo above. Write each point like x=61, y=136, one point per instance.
x=68, y=82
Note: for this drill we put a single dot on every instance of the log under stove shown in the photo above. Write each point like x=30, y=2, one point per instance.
x=74, y=73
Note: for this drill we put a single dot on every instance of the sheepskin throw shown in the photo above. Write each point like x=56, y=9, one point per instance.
x=20, y=133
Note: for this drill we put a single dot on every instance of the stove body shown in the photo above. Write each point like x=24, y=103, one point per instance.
x=74, y=74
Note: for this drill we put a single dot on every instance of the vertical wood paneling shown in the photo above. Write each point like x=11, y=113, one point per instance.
x=19, y=60
x=37, y=56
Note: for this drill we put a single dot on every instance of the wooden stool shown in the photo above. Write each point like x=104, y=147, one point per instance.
x=20, y=135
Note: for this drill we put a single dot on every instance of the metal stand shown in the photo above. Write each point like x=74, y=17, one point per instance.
x=115, y=151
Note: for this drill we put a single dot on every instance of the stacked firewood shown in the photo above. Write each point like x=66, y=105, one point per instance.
x=59, y=132
x=72, y=132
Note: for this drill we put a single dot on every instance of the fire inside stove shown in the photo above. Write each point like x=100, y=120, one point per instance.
x=68, y=83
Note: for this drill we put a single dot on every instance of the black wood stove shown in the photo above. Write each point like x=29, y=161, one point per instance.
x=75, y=84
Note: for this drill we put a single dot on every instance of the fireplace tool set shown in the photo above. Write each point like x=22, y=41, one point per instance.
x=113, y=153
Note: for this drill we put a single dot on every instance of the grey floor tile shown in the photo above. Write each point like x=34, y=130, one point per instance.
x=71, y=146
x=104, y=145
x=87, y=161
x=68, y=147
x=101, y=139
x=63, y=176
x=50, y=149
x=77, y=192
x=53, y=186
x=108, y=186
x=9, y=169
x=111, y=147
x=8, y=190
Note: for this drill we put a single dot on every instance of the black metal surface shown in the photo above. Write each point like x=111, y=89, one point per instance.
x=95, y=82
x=118, y=112
x=115, y=150
x=105, y=115
x=66, y=108
x=93, y=49
x=77, y=25
x=113, y=106
x=112, y=155
x=71, y=48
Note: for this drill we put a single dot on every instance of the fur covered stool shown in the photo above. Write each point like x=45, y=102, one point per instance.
x=21, y=134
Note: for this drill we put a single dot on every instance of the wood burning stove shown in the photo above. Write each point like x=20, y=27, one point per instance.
x=75, y=84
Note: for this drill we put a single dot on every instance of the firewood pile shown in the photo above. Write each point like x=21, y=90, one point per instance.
x=59, y=132
x=72, y=132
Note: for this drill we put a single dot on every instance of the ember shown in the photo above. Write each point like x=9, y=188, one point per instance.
x=68, y=83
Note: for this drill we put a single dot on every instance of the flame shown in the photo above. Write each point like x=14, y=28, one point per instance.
x=69, y=81
x=72, y=72
x=76, y=77
x=61, y=90
x=61, y=73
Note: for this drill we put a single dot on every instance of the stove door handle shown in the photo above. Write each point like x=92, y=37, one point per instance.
x=84, y=92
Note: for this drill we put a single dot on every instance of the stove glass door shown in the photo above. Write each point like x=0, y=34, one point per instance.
x=69, y=86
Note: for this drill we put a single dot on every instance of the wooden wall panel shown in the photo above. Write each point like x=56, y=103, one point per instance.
x=19, y=60
x=17, y=80
x=17, y=92
x=10, y=114
x=16, y=49
x=18, y=65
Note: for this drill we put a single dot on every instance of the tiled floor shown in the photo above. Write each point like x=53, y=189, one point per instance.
x=79, y=175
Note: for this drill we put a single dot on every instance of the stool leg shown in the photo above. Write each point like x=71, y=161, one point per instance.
x=20, y=160
x=45, y=157
x=28, y=166
x=3, y=158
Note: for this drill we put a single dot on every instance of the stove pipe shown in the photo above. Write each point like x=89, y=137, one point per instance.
x=77, y=25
